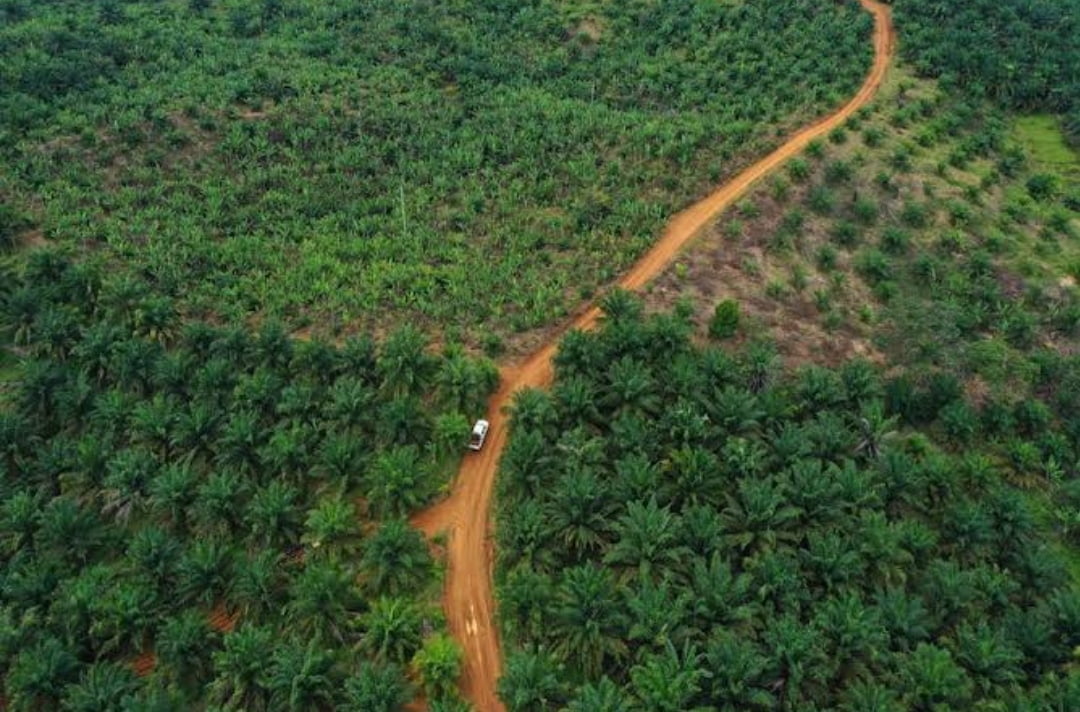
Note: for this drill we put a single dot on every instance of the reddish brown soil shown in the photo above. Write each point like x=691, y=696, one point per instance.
x=465, y=514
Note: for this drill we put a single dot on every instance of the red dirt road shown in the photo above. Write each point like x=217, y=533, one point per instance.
x=465, y=514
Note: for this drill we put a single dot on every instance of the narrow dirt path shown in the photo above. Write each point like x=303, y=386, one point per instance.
x=465, y=514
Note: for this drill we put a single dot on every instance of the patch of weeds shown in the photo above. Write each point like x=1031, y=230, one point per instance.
x=837, y=172
x=873, y=137
x=776, y=289
x=798, y=169
x=827, y=257
x=821, y=200
x=800, y=279
x=865, y=211
x=895, y=240
x=874, y=266
x=845, y=233
x=751, y=266
x=733, y=229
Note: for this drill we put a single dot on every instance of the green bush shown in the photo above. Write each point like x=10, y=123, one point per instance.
x=1043, y=186
x=725, y=320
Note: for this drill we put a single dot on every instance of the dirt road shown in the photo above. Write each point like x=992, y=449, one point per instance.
x=465, y=515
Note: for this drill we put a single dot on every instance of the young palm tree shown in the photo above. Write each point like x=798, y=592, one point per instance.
x=631, y=389
x=352, y=402
x=172, y=492
x=219, y=503
x=659, y=613
x=929, y=677
x=274, y=514
x=403, y=365
x=204, y=571
x=866, y=696
x=526, y=602
x=720, y=595
x=155, y=552
x=397, y=482
x=332, y=527
x=759, y=518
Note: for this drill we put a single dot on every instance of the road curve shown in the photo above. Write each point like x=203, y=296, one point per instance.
x=465, y=514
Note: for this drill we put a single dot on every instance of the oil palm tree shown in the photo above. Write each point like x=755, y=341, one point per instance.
x=392, y=630
x=301, y=676
x=645, y=540
x=102, y=686
x=670, y=681
x=395, y=559
x=376, y=687
x=531, y=681
x=588, y=624
x=240, y=669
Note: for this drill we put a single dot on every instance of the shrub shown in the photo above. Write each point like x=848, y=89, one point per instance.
x=839, y=172
x=798, y=169
x=895, y=240
x=821, y=200
x=959, y=421
x=914, y=214
x=793, y=221
x=874, y=266
x=873, y=137
x=826, y=258
x=725, y=320
x=865, y=211
x=1043, y=186
x=838, y=135
x=901, y=160
x=845, y=233
x=780, y=189
x=11, y=224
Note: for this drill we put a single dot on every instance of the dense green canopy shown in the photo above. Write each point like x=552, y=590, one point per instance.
x=681, y=528
x=160, y=481
x=453, y=163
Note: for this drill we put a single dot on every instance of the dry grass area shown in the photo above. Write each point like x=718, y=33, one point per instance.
x=801, y=280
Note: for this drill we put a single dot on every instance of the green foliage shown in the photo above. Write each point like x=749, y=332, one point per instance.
x=1017, y=52
x=725, y=320
x=781, y=525
x=439, y=664
x=472, y=165
x=159, y=473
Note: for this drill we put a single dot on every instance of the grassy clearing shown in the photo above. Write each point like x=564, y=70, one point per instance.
x=1042, y=137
